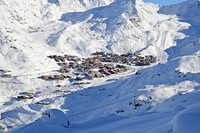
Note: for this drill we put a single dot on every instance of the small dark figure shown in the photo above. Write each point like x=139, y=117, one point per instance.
x=194, y=43
x=68, y=123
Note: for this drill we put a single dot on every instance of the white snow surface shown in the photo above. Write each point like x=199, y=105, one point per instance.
x=188, y=120
x=162, y=98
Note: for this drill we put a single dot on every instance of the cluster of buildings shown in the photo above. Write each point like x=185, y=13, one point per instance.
x=99, y=65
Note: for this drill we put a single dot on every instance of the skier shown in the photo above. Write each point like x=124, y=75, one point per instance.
x=68, y=123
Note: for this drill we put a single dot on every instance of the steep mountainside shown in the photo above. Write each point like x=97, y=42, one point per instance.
x=32, y=30
x=26, y=26
x=189, y=47
x=162, y=97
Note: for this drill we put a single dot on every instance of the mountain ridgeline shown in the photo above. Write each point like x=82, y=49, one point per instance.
x=85, y=66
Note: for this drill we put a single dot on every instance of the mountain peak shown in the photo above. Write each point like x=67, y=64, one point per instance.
x=99, y=66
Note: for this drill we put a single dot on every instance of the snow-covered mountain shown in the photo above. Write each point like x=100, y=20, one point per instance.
x=35, y=27
x=162, y=97
x=26, y=27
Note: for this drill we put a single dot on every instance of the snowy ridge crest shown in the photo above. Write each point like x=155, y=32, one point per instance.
x=45, y=45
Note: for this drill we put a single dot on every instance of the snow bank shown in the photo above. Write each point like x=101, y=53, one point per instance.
x=190, y=64
x=188, y=121
x=52, y=121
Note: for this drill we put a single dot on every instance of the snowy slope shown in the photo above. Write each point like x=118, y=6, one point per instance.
x=188, y=12
x=25, y=27
x=31, y=28
x=163, y=97
x=120, y=27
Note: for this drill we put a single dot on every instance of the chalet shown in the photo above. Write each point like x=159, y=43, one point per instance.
x=46, y=76
x=142, y=63
x=99, y=53
x=6, y=75
x=64, y=70
x=108, y=66
x=62, y=59
x=50, y=56
x=43, y=103
x=62, y=91
x=96, y=61
x=78, y=78
x=57, y=59
x=88, y=65
x=104, y=71
x=25, y=95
